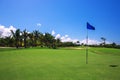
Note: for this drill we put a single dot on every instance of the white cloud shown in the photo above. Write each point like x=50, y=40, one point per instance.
x=75, y=40
x=5, y=32
x=57, y=36
x=93, y=42
x=107, y=42
x=90, y=42
x=62, y=38
x=53, y=32
x=68, y=39
x=65, y=38
x=38, y=24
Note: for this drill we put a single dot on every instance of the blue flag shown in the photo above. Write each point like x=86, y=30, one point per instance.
x=90, y=26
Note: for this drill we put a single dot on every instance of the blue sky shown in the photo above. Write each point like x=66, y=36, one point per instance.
x=65, y=17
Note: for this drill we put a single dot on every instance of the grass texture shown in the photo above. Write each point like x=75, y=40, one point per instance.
x=59, y=64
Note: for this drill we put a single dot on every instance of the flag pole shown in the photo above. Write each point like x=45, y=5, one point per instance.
x=90, y=27
x=87, y=48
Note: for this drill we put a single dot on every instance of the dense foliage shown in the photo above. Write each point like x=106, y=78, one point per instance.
x=26, y=39
x=112, y=45
x=32, y=39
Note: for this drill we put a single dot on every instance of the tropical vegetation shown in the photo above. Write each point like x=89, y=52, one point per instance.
x=26, y=39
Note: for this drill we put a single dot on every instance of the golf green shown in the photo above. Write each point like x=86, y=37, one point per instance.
x=59, y=64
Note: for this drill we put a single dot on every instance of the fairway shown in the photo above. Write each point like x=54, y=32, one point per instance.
x=59, y=64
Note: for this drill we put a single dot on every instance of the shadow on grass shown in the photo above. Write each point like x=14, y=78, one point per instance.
x=7, y=49
x=113, y=65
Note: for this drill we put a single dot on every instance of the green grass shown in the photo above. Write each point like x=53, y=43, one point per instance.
x=59, y=64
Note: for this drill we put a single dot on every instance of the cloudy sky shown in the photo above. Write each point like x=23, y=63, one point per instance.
x=65, y=19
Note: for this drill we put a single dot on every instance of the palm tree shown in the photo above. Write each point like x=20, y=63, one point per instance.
x=36, y=36
x=16, y=36
x=41, y=39
x=103, y=39
x=49, y=40
x=8, y=41
x=58, y=42
x=31, y=37
x=25, y=34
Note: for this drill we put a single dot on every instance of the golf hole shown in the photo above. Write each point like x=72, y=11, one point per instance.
x=113, y=65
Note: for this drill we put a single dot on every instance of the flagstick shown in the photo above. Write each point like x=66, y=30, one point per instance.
x=87, y=48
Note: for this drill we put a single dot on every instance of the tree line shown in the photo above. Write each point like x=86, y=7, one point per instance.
x=103, y=44
x=26, y=39
x=32, y=39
